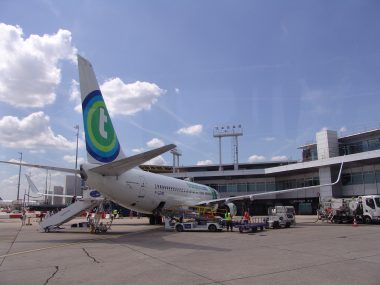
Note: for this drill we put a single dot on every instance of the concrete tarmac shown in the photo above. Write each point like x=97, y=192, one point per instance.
x=134, y=252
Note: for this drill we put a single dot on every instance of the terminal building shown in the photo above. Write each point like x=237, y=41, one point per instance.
x=320, y=164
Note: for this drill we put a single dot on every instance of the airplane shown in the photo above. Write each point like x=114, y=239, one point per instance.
x=35, y=190
x=118, y=178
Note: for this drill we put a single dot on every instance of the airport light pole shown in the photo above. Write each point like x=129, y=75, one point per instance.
x=229, y=131
x=30, y=175
x=46, y=188
x=19, y=177
x=76, y=161
x=176, y=154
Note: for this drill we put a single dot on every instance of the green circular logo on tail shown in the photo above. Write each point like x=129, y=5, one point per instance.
x=101, y=140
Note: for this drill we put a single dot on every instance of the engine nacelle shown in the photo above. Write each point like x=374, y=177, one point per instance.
x=232, y=208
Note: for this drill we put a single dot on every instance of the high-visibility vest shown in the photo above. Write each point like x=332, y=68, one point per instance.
x=227, y=216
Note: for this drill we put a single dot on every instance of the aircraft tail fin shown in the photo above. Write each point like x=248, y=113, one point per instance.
x=102, y=143
x=32, y=186
x=34, y=189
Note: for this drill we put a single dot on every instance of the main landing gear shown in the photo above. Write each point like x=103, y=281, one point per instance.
x=155, y=220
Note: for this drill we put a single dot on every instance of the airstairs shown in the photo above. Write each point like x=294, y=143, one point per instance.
x=91, y=199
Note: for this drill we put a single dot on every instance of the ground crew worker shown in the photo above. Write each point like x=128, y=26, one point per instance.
x=228, y=219
x=246, y=218
x=114, y=213
x=23, y=217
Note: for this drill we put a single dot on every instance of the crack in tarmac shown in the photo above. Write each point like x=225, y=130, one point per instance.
x=55, y=272
x=170, y=264
x=14, y=240
x=91, y=257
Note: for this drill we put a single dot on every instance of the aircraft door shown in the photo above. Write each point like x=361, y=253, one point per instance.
x=142, y=188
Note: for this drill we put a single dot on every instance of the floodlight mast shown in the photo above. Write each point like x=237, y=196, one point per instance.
x=176, y=154
x=229, y=131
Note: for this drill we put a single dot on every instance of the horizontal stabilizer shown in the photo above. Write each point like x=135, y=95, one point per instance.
x=118, y=167
x=68, y=170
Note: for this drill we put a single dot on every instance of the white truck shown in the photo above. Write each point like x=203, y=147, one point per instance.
x=364, y=209
x=281, y=216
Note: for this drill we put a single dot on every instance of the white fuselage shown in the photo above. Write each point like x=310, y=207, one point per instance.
x=144, y=192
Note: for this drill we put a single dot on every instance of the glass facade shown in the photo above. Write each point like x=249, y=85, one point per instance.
x=356, y=178
x=361, y=146
x=310, y=154
x=262, y=186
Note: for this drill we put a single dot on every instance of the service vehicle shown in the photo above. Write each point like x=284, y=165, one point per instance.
x=252, y=227
x=365, y=209
x=281, y=216
x=197, y=224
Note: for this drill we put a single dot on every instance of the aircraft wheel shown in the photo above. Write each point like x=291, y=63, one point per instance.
x=179, y=228
x=212, y=228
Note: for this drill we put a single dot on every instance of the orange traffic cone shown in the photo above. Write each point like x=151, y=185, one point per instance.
x=355, y=224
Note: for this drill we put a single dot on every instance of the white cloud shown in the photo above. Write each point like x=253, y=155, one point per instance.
x=138, y=150
x=71, y=159
x=121, y=98
x=155, y=142
x=176, y=90
x=269, y=139
x=34, y=151
x=256, y=158
x=29, y=70
x=343, y=129
x=31, y=132
x=205, y=162
x=74, y=96
x=128, y=99
x=279, y=158
x=159, y=160
x=192, y=130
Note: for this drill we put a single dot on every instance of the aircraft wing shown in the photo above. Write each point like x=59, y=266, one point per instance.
x=252, y=196
x=118, y=167
x=69, y=170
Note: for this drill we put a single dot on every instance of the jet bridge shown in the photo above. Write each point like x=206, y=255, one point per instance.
x=91, y=199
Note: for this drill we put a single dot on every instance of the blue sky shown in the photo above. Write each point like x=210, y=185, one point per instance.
x=282, y=69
